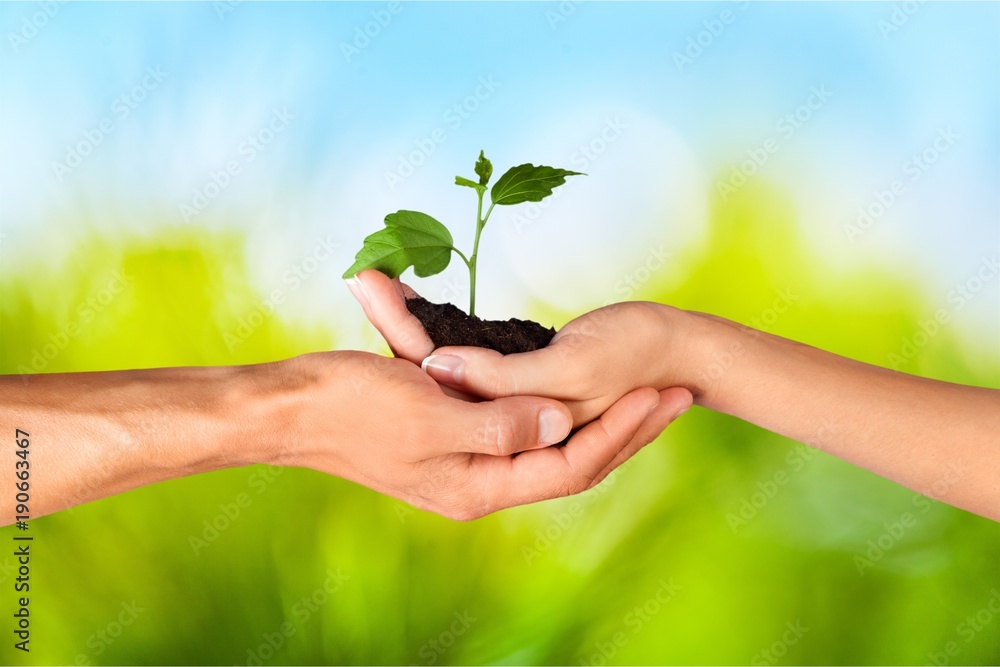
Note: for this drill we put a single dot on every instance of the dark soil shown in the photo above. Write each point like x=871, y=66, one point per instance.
x=447, y=325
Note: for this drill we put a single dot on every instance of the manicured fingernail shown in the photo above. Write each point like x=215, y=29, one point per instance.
x=358, y=290
x=444, y=368
x=552, y=426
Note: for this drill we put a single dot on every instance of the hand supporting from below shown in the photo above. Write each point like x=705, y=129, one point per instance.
x=913, y=430
x=397, y=432
x=377, y=421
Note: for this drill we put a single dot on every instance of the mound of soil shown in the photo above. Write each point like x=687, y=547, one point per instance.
x=448, y=325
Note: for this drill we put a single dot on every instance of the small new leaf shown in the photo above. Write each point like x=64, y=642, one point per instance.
x=484, y=168
x=461, y=180
x=410, y=238
x=527, y=182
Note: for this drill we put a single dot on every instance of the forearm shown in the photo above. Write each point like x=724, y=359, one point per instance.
x=935, y=437
x=93, y=435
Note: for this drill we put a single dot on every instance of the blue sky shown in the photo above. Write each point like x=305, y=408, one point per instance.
x=559, y=82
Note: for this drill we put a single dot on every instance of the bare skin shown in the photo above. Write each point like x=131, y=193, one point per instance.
x=376, y=421
x=912, y=430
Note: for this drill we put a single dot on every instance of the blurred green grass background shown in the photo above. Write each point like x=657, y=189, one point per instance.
x=650, y=568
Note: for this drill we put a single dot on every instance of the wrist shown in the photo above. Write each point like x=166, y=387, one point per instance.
x=204, y=419
x=262, y=405
x=296, y=410
x=700, y=348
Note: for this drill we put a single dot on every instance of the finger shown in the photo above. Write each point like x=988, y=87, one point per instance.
x=502, y=427
x=553, y=472
x=605, y=438
x=459, y=394
x=489, y=374
x=674, y=402
x=404, y=289
x=371, y=291
x=384, y=303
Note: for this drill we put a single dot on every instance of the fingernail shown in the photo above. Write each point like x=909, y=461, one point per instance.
x=358, y=289
x=553, y=426
x=444, y=368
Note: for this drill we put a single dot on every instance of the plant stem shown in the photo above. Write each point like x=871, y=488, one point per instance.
x=462, y=255
x=480, y=223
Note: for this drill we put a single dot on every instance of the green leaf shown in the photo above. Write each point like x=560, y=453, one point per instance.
x=484, y=169
x=410, y=238
x=527, y=182
x=461, y=180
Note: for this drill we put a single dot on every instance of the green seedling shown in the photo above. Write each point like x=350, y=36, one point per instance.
x=411, y=238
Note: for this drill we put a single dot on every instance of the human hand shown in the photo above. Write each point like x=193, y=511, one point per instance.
x=457, y=458
x=896, y=425
x=590, y=363
x=384, y=303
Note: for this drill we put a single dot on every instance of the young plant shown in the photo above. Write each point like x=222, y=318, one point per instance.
x=411, y=238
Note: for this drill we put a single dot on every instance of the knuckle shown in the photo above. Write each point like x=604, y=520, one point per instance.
x=575, y=485
x=498, y=434
x=497, y=384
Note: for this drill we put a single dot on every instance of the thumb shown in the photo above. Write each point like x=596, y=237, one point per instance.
x=507, y=426
x=384, y=303
x=489, y=374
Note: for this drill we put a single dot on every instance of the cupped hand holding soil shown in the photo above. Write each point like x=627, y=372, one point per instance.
x=897, y=425
x=589, y=364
